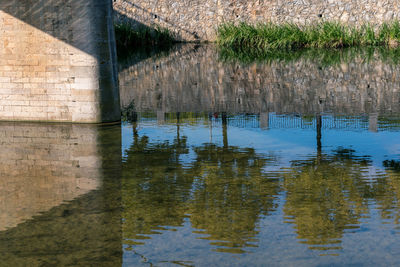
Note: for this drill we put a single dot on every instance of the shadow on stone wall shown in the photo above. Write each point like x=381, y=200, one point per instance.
x=72, y=21
x=125, y=9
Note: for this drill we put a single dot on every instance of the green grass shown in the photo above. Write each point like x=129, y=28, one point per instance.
x=272, y=37
x=128, y=37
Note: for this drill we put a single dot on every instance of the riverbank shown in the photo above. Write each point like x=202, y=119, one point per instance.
x=270, y=36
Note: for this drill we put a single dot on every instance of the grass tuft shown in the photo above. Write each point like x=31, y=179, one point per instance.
x=272, y=37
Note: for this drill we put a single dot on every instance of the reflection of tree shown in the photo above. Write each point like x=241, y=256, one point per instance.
x=230, y=193
x=224, y=190
x=155, y=186
x=388, y=199
x=325, y=196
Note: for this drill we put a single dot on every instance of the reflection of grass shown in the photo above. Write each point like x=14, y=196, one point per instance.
x=390, y=55
x=270, y=36
x=389, y=123
x=324, y=57
x=289, y=42
x=128, y=37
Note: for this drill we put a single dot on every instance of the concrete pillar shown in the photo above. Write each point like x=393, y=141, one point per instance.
x=58, y=61
x=160, y=117
x=319, y=133
x=264, y=120
x=373, y=122
x=225, y=129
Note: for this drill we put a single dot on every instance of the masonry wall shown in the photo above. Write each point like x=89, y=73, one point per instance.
x=197, y=20
x=57, y=61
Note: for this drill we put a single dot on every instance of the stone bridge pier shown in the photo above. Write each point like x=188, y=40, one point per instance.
x=58, y=61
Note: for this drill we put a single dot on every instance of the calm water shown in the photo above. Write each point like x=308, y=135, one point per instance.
x=218, y=163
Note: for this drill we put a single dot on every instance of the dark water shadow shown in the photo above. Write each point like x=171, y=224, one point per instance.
x=130, y=58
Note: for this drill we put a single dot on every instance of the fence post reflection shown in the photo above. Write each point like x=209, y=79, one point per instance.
x=373, y=122
x=225, y=129
x=319, y=134
x=264, y=120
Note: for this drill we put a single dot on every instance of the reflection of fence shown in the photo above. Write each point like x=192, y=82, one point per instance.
x=240, y=121
x=328, y=122
x=275, y=121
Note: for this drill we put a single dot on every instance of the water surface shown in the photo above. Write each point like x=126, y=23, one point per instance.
x=225, y=191
x=220, y=161
x=278, y=159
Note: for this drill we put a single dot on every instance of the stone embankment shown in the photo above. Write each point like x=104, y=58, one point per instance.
x=192, y=79
x=197, y=20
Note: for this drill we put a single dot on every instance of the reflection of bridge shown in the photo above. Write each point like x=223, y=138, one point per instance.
x=57, y=61
x=59, y=199
x=42, y=166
